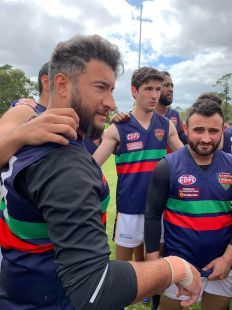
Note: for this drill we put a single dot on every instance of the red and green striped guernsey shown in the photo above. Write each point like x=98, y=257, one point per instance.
x=197, y=217
x=138, y=154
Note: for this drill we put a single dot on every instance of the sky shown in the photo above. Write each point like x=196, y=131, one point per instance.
x=192, y=39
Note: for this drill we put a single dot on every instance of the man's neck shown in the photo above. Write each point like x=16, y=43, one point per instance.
x=144, y=118
x=44, y=99
x=161, y=109
x=201, y=160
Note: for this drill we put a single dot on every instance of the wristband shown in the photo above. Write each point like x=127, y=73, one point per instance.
x=181, y=272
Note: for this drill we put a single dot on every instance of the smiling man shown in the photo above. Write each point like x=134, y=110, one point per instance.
x=192, y=189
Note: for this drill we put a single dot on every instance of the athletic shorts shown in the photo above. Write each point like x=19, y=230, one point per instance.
x=217, y=287
x=129, y=230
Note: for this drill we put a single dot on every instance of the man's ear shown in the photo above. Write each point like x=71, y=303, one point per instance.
x=62, y=85
x=45, y=82
x=185, y=128
x=134, y=91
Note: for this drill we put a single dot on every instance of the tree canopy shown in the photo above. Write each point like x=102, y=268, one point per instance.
x=225, y=83
x=14, y=84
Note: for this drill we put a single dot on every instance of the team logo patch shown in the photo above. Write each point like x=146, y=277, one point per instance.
x=174, y=120
x=189, y=192
x=159, y=134
x=187, y=179
x=225, y=179
x=133, y=136
x=134, y=146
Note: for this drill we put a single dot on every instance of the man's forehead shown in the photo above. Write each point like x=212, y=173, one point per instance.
x=152, y=82
x=98, y=71
x=167, y=79
x=198, y=120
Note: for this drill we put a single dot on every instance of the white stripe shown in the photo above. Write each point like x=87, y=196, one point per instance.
x=5, y=175
x=92, y=299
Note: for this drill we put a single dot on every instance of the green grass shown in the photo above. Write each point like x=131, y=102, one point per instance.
x=110, y=174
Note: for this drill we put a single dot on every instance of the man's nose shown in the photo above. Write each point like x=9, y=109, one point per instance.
x=109, y=102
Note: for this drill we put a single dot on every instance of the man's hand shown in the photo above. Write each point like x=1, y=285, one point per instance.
x=120, y=117
x=191, y=289
x=26, y=101
x=221, y=267
x=187, y=279
x=54, y=125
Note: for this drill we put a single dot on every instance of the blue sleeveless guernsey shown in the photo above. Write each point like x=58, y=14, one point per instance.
x=227, y=144
x=197, y=217
x=28, y=256
x=39, y=108
x=138, y=153
x=174, y=116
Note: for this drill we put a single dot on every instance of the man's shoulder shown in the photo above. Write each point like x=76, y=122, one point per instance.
x=160, y=118
x=51, y=152
x=228, y=131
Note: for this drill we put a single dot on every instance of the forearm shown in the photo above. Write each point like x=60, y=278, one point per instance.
x=152, y=256
x=152, y=278
x=228, y=254
x=156, y=202
x=10, y=143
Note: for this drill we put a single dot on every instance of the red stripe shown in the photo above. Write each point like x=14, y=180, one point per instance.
x=196, y=223
x=103, y=218
x=137, y=167
x=10, y=241
x=169, y=150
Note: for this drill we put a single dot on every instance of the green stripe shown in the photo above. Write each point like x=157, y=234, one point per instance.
x=25, y=230
x=2, y=205
x=199, y=206
x=104, y=203
x=139, y=155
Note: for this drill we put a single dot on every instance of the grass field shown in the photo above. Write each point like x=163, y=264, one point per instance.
x=110, y=174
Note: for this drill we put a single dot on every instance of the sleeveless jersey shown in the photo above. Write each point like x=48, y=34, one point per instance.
x=39, y=108
x=27, y=250
x=174, y=116
x=227, y=144
x=138, y=153
x=91, y=147
x=197, y=217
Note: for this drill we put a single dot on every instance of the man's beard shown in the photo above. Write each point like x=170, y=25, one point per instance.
x=94, y=132
x=164, y=101
x=194, y=147
x=86, y=123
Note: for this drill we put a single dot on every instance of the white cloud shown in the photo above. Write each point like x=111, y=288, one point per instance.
x=191, y=39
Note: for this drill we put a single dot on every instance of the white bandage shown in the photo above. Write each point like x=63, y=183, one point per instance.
x=181, y=271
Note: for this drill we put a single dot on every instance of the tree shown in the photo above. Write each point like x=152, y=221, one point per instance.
x=14, y=84
x=225, y=83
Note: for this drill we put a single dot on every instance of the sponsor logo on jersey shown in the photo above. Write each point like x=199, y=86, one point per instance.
x=225, y=179
x=134, y=146
x=133, y=136
x=174, y=120
x=189, y=192
x=187, y=179
x=159, y=134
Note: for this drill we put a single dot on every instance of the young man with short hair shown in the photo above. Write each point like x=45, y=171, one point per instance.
x=192, y=189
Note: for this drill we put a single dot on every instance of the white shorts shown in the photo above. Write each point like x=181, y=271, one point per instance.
x=217, y=287
x=129, y=230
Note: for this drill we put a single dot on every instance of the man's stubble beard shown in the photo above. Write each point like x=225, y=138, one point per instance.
x=193, y=147
x=164, y=101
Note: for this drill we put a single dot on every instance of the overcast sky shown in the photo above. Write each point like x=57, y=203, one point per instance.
x=192, y=39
